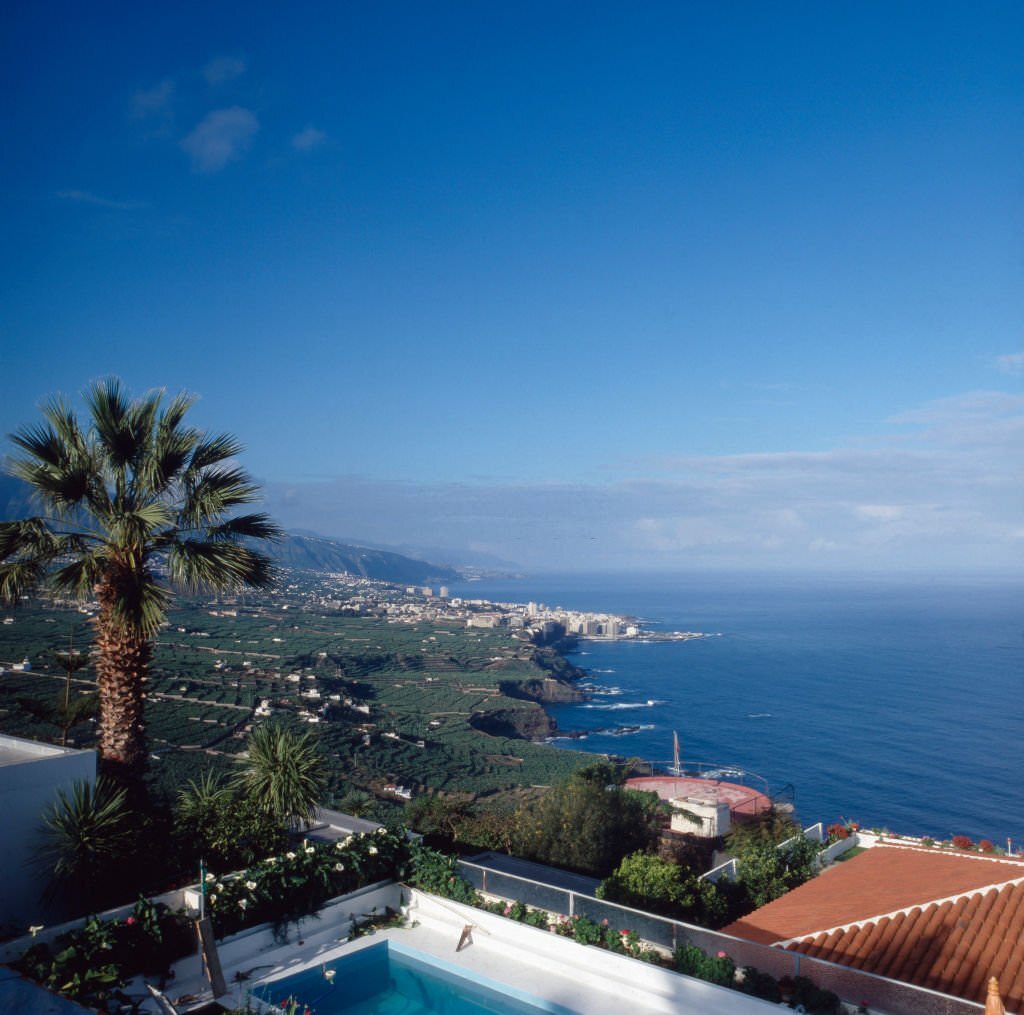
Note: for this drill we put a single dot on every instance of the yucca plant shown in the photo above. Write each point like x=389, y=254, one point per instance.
x=134, y=502
x=85, y=833
x=202, y=800
x=285, y=774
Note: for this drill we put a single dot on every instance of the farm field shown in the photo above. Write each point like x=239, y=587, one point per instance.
x=390, y=701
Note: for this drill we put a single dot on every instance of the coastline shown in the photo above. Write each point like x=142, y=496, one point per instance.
x=811, y=670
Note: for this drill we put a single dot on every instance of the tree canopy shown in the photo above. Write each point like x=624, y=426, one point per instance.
x=588, y=822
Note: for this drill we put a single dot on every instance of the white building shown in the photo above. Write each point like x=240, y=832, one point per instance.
x=31, y=774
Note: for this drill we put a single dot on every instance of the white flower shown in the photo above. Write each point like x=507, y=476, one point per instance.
x=209, y=878
x=35, y=929
x=290, y=855
x=339, y=867
x=213, y=898
x=250, y=885
x=243, y=903
x=339, y=845
x=310, y=850
x=372, y=851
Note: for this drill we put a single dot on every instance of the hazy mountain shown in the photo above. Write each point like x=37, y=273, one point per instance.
x=443, y=556
x=315, y=553
x=306, y=550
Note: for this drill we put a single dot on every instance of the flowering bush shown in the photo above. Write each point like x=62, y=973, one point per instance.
x=962, y=842
x=92, y=963
x=285, y=888
x=837, y=832
x=690, y=960
x=986, y=846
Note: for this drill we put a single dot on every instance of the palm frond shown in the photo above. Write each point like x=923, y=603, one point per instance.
x=216, y=492
x=142, y=418
x=212, y=451
x=58, y=488
x=29, y=537
x=80, y=575
x=65, y=424
x=19, y=578
x=136, y=528
x=109, y=408
x=42, y=443
x=255, y=526
x=196, y=564
x=175, y=411
x=172, y=448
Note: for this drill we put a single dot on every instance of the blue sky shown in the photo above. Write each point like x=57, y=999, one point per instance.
x=579, y=285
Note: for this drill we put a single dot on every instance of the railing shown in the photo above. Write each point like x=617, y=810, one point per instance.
x=890, y=996
x=729, y=869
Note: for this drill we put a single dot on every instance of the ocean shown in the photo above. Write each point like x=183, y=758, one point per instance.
x=896, y=702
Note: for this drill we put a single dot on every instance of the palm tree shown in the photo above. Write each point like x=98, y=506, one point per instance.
x=134, y=502
x=285, y=774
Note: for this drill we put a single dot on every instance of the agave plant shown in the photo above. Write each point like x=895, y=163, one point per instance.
x=134, y=502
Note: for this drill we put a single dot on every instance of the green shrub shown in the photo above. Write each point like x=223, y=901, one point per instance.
x=692, y=961
x=92, y=963
x=438, y=873
x=655, y=885
x=815, y=1000
x=764, y=985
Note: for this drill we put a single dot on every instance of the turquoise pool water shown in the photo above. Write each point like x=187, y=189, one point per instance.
x=386, y=979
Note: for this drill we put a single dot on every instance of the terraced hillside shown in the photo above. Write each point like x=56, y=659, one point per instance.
x=419, y=702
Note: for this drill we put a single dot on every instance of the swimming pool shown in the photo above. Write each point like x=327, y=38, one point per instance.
x=390, y=979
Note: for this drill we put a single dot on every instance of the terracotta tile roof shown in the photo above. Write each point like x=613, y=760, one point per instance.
x=942, y=921
x=878, y=881
x=952, y=947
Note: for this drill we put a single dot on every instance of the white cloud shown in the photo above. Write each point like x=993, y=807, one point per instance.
x=153, y=101
x=222, y=136
x=223, y=68
x=87, y=197
x=1011, y=363
x=308, y=138
x=947, y=495
x=879, y=512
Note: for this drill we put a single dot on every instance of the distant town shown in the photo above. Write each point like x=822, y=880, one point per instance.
x=538, y=621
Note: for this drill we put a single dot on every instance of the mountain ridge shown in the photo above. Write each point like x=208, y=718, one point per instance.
x=304, y=551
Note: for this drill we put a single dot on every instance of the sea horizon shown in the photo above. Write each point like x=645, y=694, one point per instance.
x=887, y=698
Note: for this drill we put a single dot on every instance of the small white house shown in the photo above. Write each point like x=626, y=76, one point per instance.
x=713, y=818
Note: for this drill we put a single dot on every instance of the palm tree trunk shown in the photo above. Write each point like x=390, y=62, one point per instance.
x=122, y=668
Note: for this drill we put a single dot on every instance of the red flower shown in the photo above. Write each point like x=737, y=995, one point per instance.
x=130, y=920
